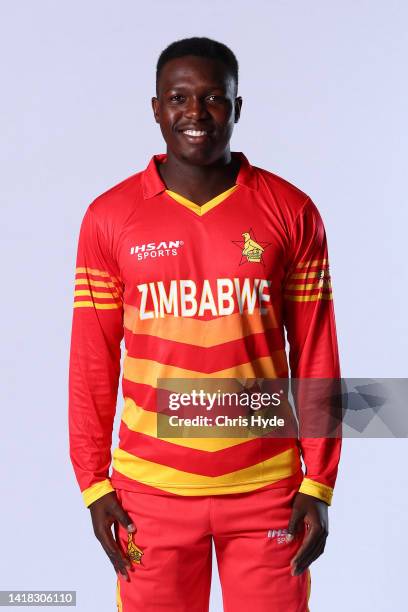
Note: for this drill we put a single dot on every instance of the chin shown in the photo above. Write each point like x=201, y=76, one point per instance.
x=200, y=157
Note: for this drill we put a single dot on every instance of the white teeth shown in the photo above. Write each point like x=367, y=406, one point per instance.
x=194, y=133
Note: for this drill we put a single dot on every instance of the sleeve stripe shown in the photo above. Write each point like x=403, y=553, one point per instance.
x=95, y=272
x=305, y=275
x=300, y=287
x=320, y=288
x=104, y=291
x=109, y=306
x=314, y=262
x=95, y=283
x=308, y=298
x=97, y=294
x=102, y=294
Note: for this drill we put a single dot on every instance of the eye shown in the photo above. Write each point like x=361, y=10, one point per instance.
x=215, y=98
x=176, y=98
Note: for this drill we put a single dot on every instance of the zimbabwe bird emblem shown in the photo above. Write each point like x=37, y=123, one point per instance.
x=134, y=552
x=251, y=249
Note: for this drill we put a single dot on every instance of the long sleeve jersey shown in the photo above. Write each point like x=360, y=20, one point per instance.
x=197, y=292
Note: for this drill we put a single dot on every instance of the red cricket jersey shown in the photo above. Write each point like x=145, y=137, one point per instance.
x=197, y=291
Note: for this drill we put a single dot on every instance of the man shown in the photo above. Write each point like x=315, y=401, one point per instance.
x=200, y=261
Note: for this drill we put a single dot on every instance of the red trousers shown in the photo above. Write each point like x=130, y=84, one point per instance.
x=172, y=552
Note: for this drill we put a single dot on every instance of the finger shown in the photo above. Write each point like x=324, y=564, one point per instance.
x=315, y=555
x=119, y=561
x=313, y=541
x=124, y=519
x=301, y=567
x=310, y=541
x=117, y=539
x=293, y=526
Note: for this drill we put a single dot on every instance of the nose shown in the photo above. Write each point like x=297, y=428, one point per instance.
x=196, y=107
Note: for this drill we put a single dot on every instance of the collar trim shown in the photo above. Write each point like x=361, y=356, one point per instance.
x=153, y=184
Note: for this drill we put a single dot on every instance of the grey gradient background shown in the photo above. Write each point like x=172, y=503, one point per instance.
x=324, y=89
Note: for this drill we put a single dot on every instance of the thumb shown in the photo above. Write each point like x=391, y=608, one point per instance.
x=293, y=525
x=123, y=518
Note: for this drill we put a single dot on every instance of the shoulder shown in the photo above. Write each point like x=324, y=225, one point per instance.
x=116, y=201
x=288, y=196
x=295, y=206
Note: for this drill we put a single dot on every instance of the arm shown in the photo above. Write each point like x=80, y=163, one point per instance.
x=311, y=331
x=94, y=370
x=94, y=365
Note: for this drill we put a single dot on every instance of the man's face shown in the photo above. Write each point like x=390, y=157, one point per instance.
x=198, y=95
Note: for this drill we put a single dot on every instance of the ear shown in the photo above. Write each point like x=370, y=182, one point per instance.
x=237, y=108
x=155, y=107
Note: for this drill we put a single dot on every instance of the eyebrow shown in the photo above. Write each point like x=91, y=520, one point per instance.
x=185, y=85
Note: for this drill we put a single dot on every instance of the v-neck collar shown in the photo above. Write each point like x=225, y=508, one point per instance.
x=154, y=185
x=203, y=208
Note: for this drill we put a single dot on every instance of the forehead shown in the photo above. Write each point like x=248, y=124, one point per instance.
x=194, y=71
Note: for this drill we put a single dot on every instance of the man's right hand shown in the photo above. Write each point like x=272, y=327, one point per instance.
x=104, y=512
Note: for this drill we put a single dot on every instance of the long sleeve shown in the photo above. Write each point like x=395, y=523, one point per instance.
x=313, y=352
x=94, y=361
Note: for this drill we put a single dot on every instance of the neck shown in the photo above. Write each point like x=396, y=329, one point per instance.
x=189, y=171
x=199, y=183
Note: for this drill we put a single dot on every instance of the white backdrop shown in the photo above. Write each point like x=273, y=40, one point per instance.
x=324, y=92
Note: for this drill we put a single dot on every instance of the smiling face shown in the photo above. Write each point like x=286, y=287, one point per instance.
x=196, y=107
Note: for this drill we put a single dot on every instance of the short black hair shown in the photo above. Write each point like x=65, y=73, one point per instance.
x=200, y=46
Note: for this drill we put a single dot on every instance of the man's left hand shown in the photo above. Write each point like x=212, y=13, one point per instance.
x=314, y=513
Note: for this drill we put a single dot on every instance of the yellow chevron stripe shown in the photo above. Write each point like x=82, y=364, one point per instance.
x=308, y=298
x=166, y=478
x=96, y=305
x=147, y=371
x=144, y=421
x=198, y=332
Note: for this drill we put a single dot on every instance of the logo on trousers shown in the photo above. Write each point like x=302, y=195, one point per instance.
x=134, y=552
x=278, y=534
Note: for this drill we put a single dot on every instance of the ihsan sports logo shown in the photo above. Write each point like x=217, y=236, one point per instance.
x=279, y=535
x=151, y=250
